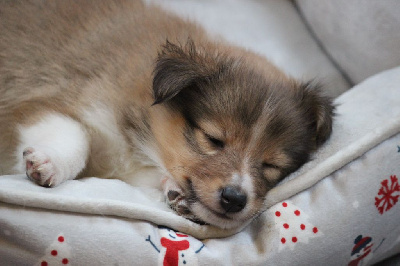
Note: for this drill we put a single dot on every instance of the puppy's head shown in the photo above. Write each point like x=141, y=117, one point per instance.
x=228, y=130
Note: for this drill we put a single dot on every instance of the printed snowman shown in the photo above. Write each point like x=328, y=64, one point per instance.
x=176, y=249
x=362, y=251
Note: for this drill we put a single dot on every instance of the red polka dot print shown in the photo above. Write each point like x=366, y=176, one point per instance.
x=65, y=261
x=293, y=225
x=54, y=252
x=286, y=226
x=61, y=239
x=44, y=263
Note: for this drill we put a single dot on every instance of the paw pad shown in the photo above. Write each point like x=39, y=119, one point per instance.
x=39, y=167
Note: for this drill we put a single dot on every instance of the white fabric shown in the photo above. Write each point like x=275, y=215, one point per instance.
x=107, y=222
x=362, y=36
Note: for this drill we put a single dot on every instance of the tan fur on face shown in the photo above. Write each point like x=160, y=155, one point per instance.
x=168, y=132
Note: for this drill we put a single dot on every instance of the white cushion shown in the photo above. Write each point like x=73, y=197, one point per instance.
x=362, y=36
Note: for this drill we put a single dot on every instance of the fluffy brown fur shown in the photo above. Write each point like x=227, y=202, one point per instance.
x=207, y=114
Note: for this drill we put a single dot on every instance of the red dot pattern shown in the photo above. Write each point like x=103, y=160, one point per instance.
x=286, y=226
x=303, y=227
x=55, y=253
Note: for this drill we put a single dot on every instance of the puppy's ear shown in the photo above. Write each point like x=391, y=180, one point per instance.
x=177, y=68
x=320, y=110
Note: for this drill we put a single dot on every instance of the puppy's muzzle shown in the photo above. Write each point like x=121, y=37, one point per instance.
x=232, y=199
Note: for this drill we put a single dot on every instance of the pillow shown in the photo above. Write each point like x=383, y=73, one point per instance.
x=361, y=36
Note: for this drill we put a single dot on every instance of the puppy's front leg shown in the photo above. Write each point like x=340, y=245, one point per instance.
x=52, y=150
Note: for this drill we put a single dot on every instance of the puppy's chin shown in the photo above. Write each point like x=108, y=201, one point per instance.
x=225, y=221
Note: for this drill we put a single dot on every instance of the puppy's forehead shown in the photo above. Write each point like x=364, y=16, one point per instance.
x=243, y=106
x=248, y=113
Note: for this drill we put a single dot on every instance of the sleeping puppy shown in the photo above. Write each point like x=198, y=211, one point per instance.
x=115, y=89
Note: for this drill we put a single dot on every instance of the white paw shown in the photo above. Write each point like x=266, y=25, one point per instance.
x=176, y=200
x=40, y=168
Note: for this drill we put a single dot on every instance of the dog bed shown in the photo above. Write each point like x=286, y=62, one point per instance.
x=341, y=208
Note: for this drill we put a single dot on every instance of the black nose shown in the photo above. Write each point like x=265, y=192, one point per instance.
x=232, y=199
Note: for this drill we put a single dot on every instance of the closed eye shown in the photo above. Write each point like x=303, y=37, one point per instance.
x=215, y=142
x=266, y=166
